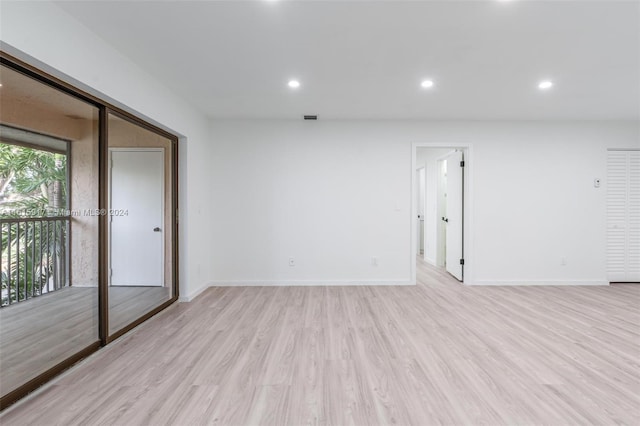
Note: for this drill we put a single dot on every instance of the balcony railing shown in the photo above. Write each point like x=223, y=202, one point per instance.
x=34, y=257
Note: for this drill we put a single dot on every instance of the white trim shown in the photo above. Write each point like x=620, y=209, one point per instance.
x=539, y=283
x=193, y=295
x=305, y=283
x=444, y=157
x=468, y=206
x=430, y=261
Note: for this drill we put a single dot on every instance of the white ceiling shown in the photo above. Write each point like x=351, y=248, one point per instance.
x=365, y=59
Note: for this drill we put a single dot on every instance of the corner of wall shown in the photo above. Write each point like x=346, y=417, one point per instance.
x=193, y=295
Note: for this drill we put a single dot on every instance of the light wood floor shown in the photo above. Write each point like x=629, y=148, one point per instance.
x=38, y=334
x=436, y=353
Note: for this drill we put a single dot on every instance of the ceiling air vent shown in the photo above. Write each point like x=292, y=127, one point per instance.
x=310, y=117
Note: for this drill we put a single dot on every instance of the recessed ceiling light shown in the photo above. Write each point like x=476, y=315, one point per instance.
x=294, y=84
x=544, y=85
x=426, y=84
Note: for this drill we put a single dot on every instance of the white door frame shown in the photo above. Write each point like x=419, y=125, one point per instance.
x=163, y=201
x=468, y=227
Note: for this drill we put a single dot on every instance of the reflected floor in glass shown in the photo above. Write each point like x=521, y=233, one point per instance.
x=39, y=333
x=127, y=304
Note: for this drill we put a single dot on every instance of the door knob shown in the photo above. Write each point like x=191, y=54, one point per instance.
x=156, y=229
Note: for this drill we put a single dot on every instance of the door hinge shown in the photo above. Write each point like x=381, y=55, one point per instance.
x=462, y=261
x=462, y=163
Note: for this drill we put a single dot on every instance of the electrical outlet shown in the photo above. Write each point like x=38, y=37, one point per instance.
x=374, y=261
x=292, y=261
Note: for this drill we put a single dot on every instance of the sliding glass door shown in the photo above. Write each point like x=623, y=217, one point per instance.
x=88, y=222
x=141, y=221
x=49, y=245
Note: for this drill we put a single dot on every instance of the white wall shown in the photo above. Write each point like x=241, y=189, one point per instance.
x=428, y=158
x=334, y=194
x=303, y=190
x=44, y=35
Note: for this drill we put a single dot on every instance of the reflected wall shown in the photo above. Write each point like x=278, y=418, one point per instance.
x=140, y=226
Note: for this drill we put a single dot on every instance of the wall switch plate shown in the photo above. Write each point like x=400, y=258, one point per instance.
x=596, y=183
x=292, y=261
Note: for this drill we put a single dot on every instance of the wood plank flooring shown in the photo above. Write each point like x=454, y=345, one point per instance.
x=435, y=353
x=38, y=334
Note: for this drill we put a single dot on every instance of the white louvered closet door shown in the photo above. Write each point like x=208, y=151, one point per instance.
x=623, y=216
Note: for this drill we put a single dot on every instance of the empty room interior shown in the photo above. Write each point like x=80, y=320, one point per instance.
x=305, y=212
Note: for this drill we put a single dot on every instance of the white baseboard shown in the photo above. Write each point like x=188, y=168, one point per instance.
x=430, y=261
x=258, y=283
x=539, y=283
x=193, y=294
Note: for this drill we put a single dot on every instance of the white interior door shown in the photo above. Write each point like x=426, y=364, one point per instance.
x=136, y=224
x=623, y=216
x=454, y=214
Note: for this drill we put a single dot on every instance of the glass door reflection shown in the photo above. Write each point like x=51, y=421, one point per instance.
x=140, y=221
x=49, y=185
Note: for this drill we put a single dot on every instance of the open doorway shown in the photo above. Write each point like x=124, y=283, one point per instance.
x=439, y=207
x=420, y=196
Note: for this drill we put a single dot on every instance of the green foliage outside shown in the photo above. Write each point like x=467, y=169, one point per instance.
x=31, y=180
x=32, y=184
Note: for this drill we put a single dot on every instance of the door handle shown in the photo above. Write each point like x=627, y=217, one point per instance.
x=156, y=229
x=445, y=219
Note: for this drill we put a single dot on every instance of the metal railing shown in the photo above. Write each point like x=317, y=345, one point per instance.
x=34, y=257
